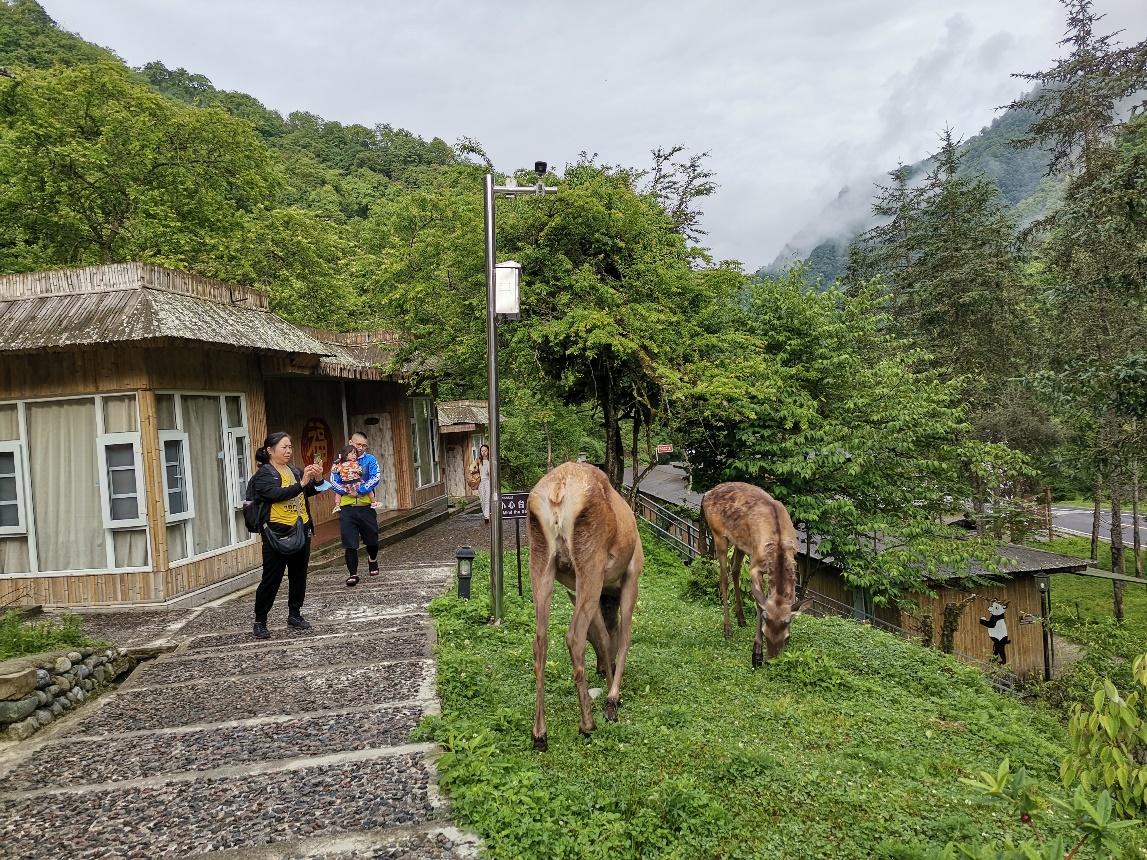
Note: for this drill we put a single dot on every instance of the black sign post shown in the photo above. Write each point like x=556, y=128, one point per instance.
x=514, y=507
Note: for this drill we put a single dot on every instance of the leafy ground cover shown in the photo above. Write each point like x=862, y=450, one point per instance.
x=851, y=744
x=30, y=637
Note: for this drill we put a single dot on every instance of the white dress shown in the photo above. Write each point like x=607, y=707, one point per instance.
x=484, y=487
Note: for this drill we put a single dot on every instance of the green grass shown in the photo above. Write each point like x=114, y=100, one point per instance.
x=31, y=637
x=851, y=744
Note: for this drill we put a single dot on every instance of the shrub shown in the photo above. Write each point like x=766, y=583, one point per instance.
x=23, y=637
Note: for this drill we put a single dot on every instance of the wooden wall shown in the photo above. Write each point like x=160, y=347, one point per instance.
x=142, y=370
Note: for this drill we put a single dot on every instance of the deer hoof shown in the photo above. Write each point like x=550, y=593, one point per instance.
x=542, y=744
x=728, y=633
x=611, y=706
x=741, y=622
x=758, y=660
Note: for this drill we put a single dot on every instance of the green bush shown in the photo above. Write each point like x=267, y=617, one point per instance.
x=18, y=638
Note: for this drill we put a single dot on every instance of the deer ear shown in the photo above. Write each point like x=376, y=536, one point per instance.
x=800, y=607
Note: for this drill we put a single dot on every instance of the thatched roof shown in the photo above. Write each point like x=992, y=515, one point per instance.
x=470, y=413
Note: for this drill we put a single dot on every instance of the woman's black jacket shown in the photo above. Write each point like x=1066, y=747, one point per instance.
x=267, y=488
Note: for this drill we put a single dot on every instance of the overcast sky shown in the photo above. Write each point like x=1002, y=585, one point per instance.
x=794, y=98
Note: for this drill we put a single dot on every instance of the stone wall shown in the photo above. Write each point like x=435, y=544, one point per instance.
x=37, y=689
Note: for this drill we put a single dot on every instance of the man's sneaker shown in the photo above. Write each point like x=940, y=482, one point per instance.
x=298, y=622
x=260, y=631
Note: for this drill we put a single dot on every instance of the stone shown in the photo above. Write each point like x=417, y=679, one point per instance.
x=80, y=694
x=99, y=659
x=18, y=684
x=43, y=697
x=90, y=662
x=56, y=708
x=87, y=684
x=81, y=672
x=100, y=674
x=23, y=730
x=44, y=716
x=87, y=652
x=66, y=703
x=75, y=656
x=63, y=682
x=53, y=690
x=43, y=678
x=63, y=664
x=111, y=653
x=13, y=712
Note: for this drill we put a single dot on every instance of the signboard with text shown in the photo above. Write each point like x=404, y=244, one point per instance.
x=514, y=505
x=664, y=449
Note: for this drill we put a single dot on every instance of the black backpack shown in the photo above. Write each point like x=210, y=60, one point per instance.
x=254, y=511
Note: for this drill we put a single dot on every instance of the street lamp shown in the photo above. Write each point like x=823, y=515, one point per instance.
x=1042, y=579
x=465, y=561
x=507, y=277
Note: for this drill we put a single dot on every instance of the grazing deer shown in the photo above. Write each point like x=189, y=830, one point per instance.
x=583, y=534
x=757, y=525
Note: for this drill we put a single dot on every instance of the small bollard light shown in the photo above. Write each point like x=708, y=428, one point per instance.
x=465, y=558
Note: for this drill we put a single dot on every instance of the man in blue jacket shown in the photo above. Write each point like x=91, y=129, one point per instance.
x=357, y=520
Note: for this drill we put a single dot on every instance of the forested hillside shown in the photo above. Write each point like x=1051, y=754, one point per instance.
x=1021, y=176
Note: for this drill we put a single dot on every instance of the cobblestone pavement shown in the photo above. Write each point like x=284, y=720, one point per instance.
x=295, y=747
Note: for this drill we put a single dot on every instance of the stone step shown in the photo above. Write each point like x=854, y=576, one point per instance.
x=226, y=808
x=411, y=843
x=70, y=762
x=240, y=638
x=284, y=692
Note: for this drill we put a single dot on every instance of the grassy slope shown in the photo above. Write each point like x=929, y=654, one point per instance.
x=849, y=745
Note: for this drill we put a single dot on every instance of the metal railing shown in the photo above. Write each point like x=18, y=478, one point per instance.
x=684, y=535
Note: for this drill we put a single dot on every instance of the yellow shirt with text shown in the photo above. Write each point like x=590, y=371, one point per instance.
x=291, y=511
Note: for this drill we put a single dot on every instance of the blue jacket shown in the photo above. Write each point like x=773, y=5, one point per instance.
x=370, y=477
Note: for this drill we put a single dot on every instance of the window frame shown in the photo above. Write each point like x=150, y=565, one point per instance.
x=16, y=448
x=431, y=441
x=181, y=437
x=103, y=442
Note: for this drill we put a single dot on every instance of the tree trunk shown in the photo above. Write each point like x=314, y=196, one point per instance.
x=1097, y=502
x=1117, y=546
x=637, y=475
x=1135, y=542
x=614, y=453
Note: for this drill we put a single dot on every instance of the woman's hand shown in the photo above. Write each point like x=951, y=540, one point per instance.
x=310, y=473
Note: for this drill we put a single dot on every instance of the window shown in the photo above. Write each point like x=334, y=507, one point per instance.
x=178, y=498
x=424, y=441
x=12, y=517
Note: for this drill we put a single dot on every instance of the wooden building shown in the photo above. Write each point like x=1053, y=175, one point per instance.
x=462, y=424
x=131, y=400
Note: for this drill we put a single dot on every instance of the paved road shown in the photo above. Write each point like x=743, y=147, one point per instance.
x=1078, y=521
x=296, y=747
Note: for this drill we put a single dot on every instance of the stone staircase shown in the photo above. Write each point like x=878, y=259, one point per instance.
x=293, y=747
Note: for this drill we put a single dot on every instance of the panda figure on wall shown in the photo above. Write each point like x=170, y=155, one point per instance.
x=997, y=629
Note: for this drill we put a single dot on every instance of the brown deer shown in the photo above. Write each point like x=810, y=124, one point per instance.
x=757, y=525
x=583, y=534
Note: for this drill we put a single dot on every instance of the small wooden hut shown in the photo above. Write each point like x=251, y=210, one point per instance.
x=462, y=425
x=131, y=400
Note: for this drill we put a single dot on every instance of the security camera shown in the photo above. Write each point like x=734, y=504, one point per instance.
x=540, y=168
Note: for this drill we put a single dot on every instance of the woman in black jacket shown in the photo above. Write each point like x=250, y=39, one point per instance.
x=283, y=492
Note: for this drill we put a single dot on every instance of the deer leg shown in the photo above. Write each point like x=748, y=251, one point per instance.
x=738, y=557
x=602, y=645
x=722, y=548
x=759, y=597
x=585, y=609
x=624, y=631
x=542, y=585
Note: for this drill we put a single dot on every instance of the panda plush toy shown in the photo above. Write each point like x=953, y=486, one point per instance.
x=997, y=630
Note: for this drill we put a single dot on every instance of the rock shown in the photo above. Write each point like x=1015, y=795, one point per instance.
x=80, y=694
x=13, y=712
x=90, y=662
x=111, y=653
x=98, y=659
x=100, y=674
x=75, y=656
x=43, y=678
x=23, y=730
x=18, y=684
x=87, y=652
x=56, y=708
x=65, y=702
x=43, y=697
x=63, y=682
x=88, y=684
x=44, y=716
x=81, y=672
x=63, y=664
x=53, y=690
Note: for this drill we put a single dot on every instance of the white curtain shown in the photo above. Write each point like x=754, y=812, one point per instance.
x=130, y=548
x=202, y=422
x=120, y=414
x=9, y=424
x=14, y=555
x=65, y=485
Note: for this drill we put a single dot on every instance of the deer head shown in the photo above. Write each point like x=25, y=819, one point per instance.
x=778, y=621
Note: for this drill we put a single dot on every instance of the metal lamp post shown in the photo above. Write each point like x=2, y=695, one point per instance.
x=501, y=301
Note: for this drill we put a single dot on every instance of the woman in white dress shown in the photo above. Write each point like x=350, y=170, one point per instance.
x=483, y=469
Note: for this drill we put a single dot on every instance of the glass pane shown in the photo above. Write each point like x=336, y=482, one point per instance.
x=120, y=414
x=165, y=411
x=126, y=508
x=120, y=456
x=176, y=542
x=7, y=463
x=234, y=412
x=9, y=516
x=174, y=478
x=9, y=423
x=176, y=502
x=7, y=489
x=65, y=485
x=123, y=482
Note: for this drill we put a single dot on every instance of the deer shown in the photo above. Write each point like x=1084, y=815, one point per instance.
x=757, y=526
x=584, y=536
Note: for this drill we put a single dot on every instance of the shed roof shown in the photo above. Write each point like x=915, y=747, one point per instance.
x=137, y=303
x=463, y=412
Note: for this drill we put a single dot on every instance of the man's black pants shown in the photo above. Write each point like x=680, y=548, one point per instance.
x=358, y=522
x=274, y=564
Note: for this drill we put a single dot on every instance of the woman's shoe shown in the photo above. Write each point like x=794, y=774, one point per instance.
x=372, y=567
x=351, y=580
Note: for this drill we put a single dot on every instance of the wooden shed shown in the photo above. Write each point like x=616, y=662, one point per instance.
x=462, y=424
x=131, y=400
